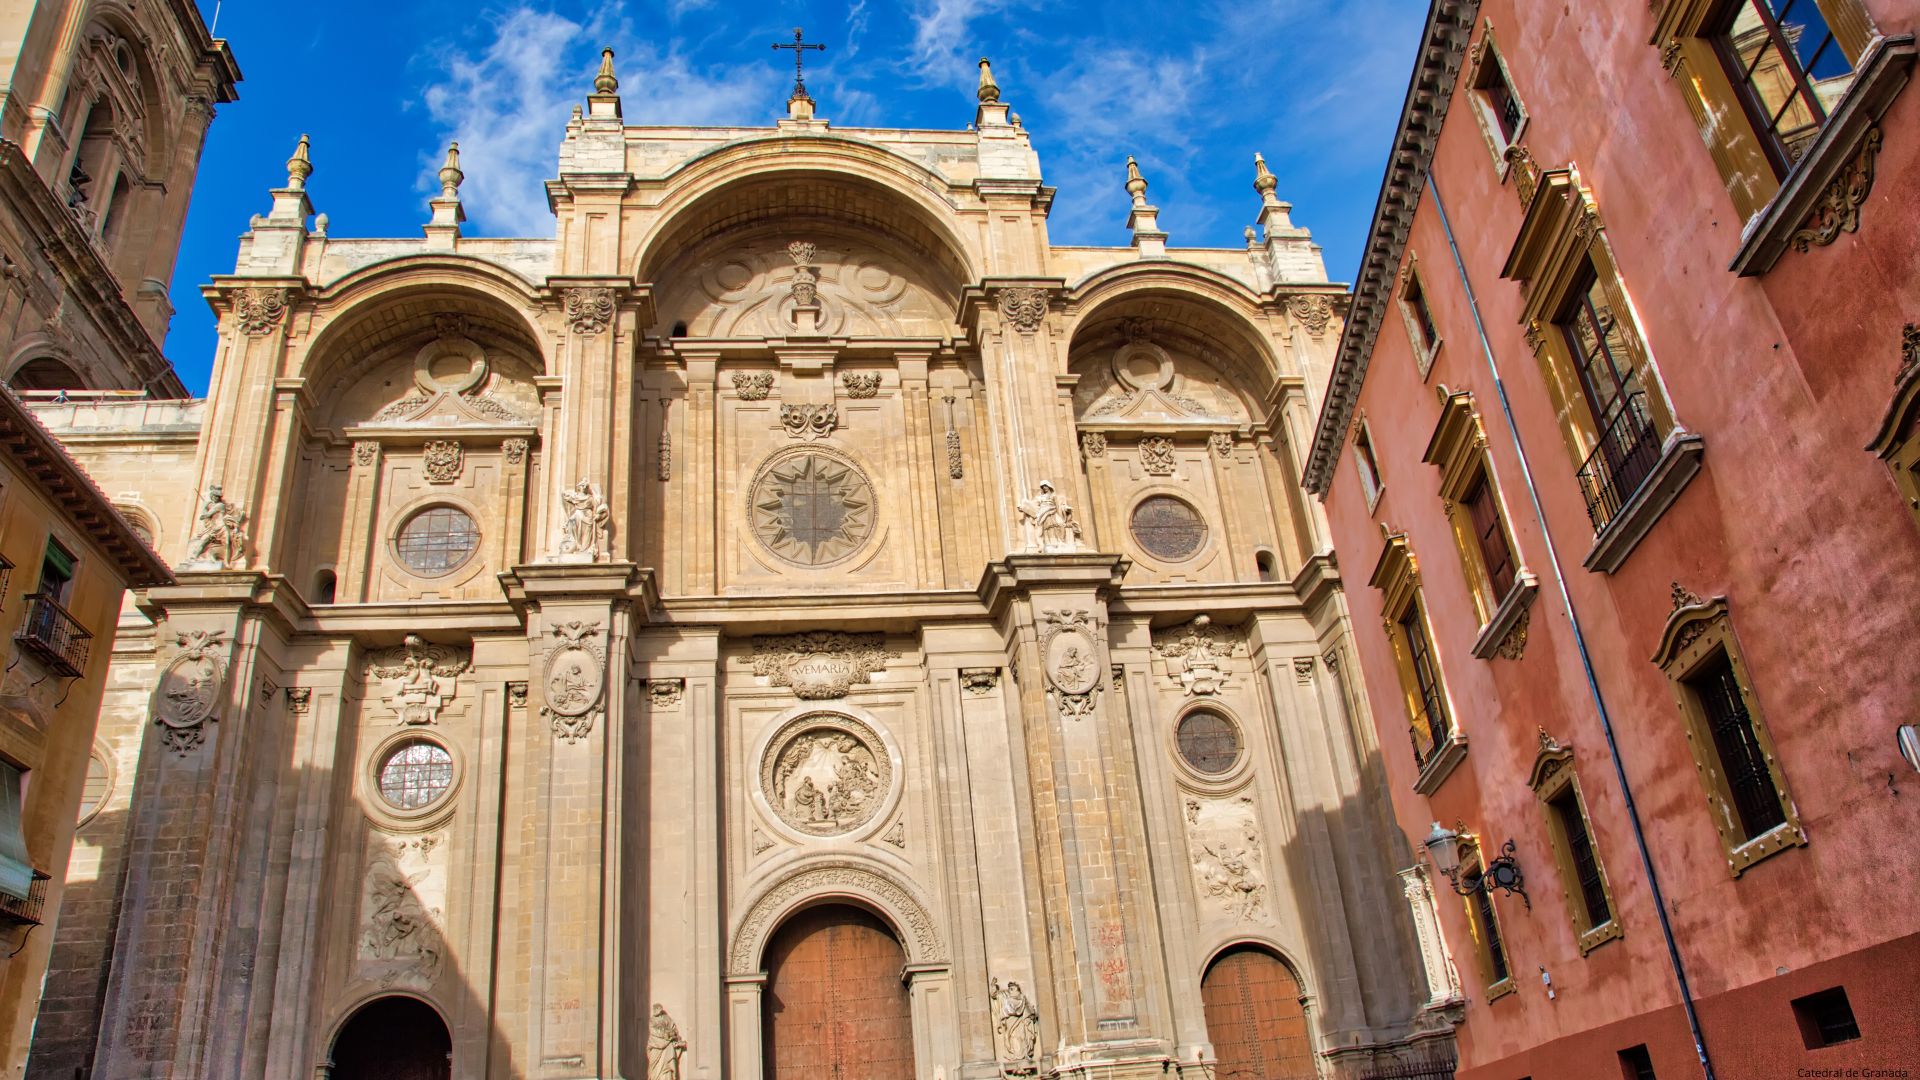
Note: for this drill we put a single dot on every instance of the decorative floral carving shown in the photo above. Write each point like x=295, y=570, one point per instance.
x=956, y=468
x=820, y=664
x=1221, y=442
x=1048, y=522
x=1303, y=670
x=1016, y=1028
x=666, y=693
x=515, y=450
x=425, y=676
x=1093, y=444
x=589, y=311
x=979, y=681
x=1313, y=312
x=1156, y=455
x=219, y=535
x=861, y=384
x=664, y=1046
x=1023, y=307
x=444, y=459
x=366, y=452
x=752, y=385
x=299, y=700
x=585, y=524
x=835, y=880
x=826, y=774
x=576, y=678
x=806, y=277
x=1838, y=209
x=258, y=311
x=663, y=458
x=1196, y=652
x=801, y=252
x=1514, y=644
x=189, y=689
x=1224, y=844
x=809, y=421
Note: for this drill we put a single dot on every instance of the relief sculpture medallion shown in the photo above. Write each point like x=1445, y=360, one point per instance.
x=826, y=774
x=811, y=508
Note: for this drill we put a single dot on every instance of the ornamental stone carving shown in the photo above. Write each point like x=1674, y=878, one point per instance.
x=822, y=664
x=366, y=453
x=515, y=450
x=666, y=693
x=1156, y=455
x=258, y=311
x=1221, y=442
x=1023, y=307
x=809, y=421
x=811, y=507
x=1313, y=313
x=1016, y=1028
x=897, y=836
x=585, y=524
x=1224, y=844
x=752, y=385
x=189, y=690
x=403, y=898
x=1514, y=644
x=444, y=460
x=664, y=1046
x=902, y=909
x=979, y=681
x=1048, y=522
x=576, y=679
x=1070, y=657
x=826, y=774
x=589, y=311
x=424, y=676
x=1197, y=653
x=219, y=535
x=1838, y=209
x=1093, y=444
x=956, y=466
x=861, y=384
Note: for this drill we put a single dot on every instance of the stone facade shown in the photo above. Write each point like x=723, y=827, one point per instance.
x=733, y=551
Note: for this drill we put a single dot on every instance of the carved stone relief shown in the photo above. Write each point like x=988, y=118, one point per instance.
x=423, y=676
x=666, y=693
x=923, y=943
x=452, y=385
x=366, y=452
x=956, y=468
x=861, y=384
x=188, y=693
x=1070, y=656
x=1838, y=208
x=403, y=898
x=1313, y=313
x=1156, y=455
x=1223, y=841
x=811, y=508
x=589, y=310
x=897, y=836
x=1048, y=522
x=1093, y=444
x=1198, y=653
x=979, y=682
x=752, y=385
x=1221, y=443
x=664, y=1046
x=809, y=421
x=1023, y=308
x=846, y=287
x=1016, y=1028
x=219, y=534
x=826, y=774
x=585, y=525
x=258, y=311
x=444, y=460
x=576, y=678
x=822, y=664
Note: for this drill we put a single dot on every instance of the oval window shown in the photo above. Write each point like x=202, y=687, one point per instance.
x=416, y=774
x=1168, y=528
x=1209, y=743
x=437, y=540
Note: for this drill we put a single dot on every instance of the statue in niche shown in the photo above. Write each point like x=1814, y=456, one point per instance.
x=583, y=530
x=218, y=535
x=1049, y=522
x=1017, y=1024
x=664, y=1046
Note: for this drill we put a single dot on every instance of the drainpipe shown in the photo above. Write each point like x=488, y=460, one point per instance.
x=1580, y=645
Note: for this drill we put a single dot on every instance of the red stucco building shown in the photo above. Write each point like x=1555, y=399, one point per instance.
x=1622, y=435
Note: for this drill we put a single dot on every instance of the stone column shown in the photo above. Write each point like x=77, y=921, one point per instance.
x=355, y=573
x=595, y=415
x=242, y=398
x=1008, y=317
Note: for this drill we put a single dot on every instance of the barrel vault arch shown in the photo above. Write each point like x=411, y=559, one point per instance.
x=849, y=882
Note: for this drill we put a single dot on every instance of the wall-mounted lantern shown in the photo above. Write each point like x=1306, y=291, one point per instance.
x=1502, y=872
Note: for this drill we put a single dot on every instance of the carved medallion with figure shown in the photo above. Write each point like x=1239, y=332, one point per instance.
x=826, y=774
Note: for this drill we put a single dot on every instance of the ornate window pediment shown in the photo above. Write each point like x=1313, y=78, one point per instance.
x=1898, y=441
x=1503, y=589
x=1583, y=874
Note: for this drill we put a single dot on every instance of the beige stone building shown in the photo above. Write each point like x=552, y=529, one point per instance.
x=795, y=621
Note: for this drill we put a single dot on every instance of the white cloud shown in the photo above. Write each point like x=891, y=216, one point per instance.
x=941, y=54
x=507, y=104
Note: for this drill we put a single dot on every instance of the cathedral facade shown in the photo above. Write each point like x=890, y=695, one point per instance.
x=793, y=621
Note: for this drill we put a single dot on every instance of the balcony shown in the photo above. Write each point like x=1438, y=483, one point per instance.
x=6, y=577
x=54, y=636
x=1628, y=450
x=26, y=912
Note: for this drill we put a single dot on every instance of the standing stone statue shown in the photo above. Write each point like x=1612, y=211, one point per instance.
x=1049, y=522
x=664, y=1046
x=218, y=534
x=1017, y=1024
x=583, y=530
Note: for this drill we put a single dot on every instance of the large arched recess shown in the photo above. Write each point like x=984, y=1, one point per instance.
x=845, y=180
x=1217, y=311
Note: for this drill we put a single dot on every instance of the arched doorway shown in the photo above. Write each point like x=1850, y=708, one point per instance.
x=1255, y=1020
x=393, y=1038
x=46, y=373
x=835, y=1007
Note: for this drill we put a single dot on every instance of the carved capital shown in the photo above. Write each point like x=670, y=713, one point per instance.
x=258, y=310
x=1023, y=307
x=589, y=311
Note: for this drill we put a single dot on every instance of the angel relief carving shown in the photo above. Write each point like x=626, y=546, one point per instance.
x=826, y=774
x=402, y=900
x=423, y=677
x=1223, y=841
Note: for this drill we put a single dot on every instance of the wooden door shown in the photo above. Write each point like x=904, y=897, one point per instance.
x=835, y=1007
x=393, y=1038
x=1255, y=1020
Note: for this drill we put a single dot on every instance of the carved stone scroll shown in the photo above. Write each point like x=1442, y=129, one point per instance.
x=821, y=664
x=589, y=311
x=1023, y=307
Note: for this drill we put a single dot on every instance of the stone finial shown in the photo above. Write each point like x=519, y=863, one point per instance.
x=450, y=174
x=1136, y=184
x=1253, y=238
x=1264, y=181
x=606, y=82
x=989, y=90
x=300, y=165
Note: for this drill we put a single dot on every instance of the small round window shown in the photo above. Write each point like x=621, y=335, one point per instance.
x=416, y=774
x=1209, y=742
x=1168, y=528
x=437, y=540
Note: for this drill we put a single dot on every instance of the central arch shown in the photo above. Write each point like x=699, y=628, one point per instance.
x=393, y=1038
x=835, y=1003
x=1256, y=1019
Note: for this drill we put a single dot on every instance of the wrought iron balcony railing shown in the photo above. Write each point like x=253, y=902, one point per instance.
x=1629, y=448
x=51, y=633
x=26, y=912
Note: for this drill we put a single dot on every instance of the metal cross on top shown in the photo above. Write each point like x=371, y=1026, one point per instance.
x=799, y=48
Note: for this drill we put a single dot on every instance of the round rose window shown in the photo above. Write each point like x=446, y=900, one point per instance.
x=1168, y=528
x=416, y=774
x=1209, y=743
x=811, y=508
x=437, y=540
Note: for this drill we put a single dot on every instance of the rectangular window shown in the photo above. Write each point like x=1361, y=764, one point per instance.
x=1742, y=762
x=1486, y=927
x=1416, y=298
x=56, y=573
x=1491, y=535
x=1788, y=69
x=1826, y=1018
x=1636, y=1063
x=1586, y=867
x=1364, y=460
x=1503, y=105
x=1433, y=717
x=16, y=869
x=1627, y=444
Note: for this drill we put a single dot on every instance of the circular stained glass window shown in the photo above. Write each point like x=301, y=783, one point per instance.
x=1209, y=742
x=437, y=540
x=1168, y=528
x=416, y=774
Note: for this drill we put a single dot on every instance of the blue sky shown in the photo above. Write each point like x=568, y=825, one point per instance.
x=1192, y=90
